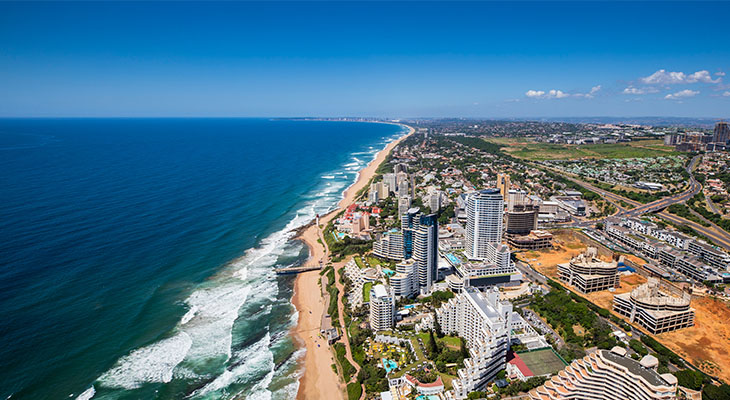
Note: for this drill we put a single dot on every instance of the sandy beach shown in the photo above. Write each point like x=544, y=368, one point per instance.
x=319, y=381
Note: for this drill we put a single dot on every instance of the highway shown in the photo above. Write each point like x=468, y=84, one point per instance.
x=717, y=235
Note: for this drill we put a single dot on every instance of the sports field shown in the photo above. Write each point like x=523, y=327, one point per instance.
x=542, y=362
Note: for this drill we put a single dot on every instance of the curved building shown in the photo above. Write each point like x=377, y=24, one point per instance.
x=390, y=246
x=587, y=273
x=608, y=375
x=425, y=251
x=656, y=310
x=484, y=213
x=405, y=280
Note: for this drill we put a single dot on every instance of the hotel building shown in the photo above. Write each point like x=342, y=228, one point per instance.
x=425, y=251
x=485, y=210
x=654, y=309
x=587, y=273
x=485, y=323
x=390, y=245
x=382, y=308
x=609, y=375
x=405, y=280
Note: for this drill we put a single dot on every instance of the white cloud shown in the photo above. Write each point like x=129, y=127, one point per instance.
x=590, y=94
x=664, y=77
x=682, y=94
x=720, y=73
x=643, y=90
x=559, y=94
x=726, y=94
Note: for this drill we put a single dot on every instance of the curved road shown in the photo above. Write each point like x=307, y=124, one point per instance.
x=713, y=232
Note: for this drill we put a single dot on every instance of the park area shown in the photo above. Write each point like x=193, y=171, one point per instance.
x=525, y=148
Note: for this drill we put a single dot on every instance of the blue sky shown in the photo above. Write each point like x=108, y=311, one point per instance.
x=409, y=59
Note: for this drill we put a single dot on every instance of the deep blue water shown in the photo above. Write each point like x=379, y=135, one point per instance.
x=137, y=255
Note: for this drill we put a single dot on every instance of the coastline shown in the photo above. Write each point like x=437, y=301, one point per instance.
x=318, y=380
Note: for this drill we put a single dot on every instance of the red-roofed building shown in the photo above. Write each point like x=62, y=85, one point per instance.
x=425, y=388
x=516, y=368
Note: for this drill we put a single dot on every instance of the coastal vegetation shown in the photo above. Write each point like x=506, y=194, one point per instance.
x=563, y=311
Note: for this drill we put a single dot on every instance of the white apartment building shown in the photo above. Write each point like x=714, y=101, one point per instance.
x=485, y=323
x=404, y=203
x=390, y=180
x=485, y=210
x=425, y=251
x=389, y=245
x=405, y=280
x=608, y=375
x=382, y=308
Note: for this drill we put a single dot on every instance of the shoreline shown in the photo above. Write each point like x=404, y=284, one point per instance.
x=318, y=380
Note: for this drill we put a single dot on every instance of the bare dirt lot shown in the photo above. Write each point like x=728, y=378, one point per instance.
x=706, y=345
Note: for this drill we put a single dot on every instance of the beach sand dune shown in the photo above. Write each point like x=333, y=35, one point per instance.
x=319, y=381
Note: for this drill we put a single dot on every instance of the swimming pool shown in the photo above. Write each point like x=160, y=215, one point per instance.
x=388, y=271
x=389, y=365
x=453, y=259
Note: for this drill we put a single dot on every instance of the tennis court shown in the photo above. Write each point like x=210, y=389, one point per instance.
x=542, y=362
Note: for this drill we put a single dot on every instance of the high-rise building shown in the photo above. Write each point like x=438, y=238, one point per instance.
x=382, y=308
x=409, y=224
x=373, y=197
x=404, y=203
x=503, y=185
x=722, y=132
x=434, y=200
x=390, y=180
x=405, y=280
x=485, y=210
x=389, y=245
x=425, y=251
x=521, y=219
x=383, y=190
x=400, y=168
x=401, y=183
x=516, y=198
x=485, y=323
x=609, y=375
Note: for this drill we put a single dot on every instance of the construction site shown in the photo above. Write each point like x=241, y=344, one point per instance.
x=705, y=344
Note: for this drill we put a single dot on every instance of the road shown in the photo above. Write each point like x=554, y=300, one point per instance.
x=712, y=205
x=713, y=232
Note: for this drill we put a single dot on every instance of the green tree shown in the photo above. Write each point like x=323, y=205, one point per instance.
x=433, y=349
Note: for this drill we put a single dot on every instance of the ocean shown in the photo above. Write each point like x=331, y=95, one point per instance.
x=137, y=256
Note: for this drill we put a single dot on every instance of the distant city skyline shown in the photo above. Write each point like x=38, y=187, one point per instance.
x=406, y=60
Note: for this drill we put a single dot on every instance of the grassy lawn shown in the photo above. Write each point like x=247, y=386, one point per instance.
x=358, y=261
x=452, y=342
x=366, y=291
x=373, y=261
x=447, y=380
x=554, y=151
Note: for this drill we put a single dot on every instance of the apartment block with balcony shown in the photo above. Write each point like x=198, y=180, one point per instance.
x=609, y=375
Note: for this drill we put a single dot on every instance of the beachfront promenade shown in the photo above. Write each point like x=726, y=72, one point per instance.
x=319, y=381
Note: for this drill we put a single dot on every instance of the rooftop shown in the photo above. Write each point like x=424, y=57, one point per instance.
x=635, y=368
